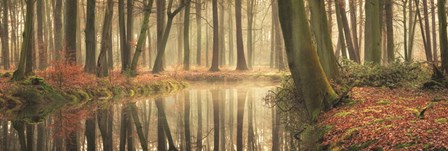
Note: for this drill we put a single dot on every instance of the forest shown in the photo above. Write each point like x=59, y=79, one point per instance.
x=255, y=75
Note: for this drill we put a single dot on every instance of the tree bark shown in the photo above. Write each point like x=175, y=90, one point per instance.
x=90, y=35
x=215, y=55
x=187, y=37
x=102, y=65
x=4, y=32
x=199, y=32
x=25, y=66
x=241, y=58
x=348, y=35
x=390, y=31
x=443, y=34
x=372, y=42
x=71, y=15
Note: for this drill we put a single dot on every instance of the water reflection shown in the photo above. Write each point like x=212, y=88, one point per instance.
x=203, y=117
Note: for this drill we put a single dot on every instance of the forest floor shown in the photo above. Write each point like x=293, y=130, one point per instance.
x=378, y=118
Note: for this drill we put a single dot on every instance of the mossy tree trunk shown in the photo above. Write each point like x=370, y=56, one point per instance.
x=372, y=49
x=305, y=67
x=25, y=67
x=323, y=39
x=142, y=39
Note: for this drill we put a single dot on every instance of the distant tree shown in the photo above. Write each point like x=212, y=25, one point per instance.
x=24, y=68
x=215, y=55
x=348, y=35
x=199, y=32
x=71, y=15
x=90, y=34
x=241, y=58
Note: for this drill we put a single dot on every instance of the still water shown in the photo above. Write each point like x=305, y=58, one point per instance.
x=181, y=120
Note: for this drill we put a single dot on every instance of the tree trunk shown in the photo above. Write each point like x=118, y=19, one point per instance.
x=19, y=126
x=278, y=42
x=4, y=32
x=90, y=35
x=434, y=33
x=187, y=121
x=105, y=124
x=24, y=66
x=125, y=54
x=158, y=65
x=354, y=26
x=240, y=120
x=58, y=43
x=250, y=122
x=427, y=31
x=241, y=58
x=215, y=55
x=216, y=117
x=164, y=122
x=199, y=132
x=91, y=133
x=275, y=129
x=372, y=42
x=187, y=37
x=348, y=36
x=71, y=15
x=138, y=125
x=390, y=31
x=231, y=39
x=102, y=65
x=199, y=33
x=323, y=38
x=443, y=34
x=222, y=46
x=142, y=38
x=250, y=20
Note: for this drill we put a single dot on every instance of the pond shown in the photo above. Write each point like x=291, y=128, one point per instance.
x=178, y=120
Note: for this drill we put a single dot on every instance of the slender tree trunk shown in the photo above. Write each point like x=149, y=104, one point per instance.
x=250, y=114
x=222, y=46
x=241, y=58
x=216, y=117
x=250, y=20
x=90, y=34
x=215, y=58
x=102, y=65
x=341, y=47
x=58, y=32
x=427, y=31
x=199, y=132
x=278, y=42
x=405, y=30
x=199, y=33
x=275, y=129
x=187, y=37
x=4, y=32
x=354, y=26
x=138, y=125
x=187, y=121
x=390, y=31
x=125, y=54
x=240, y=120
x=142, y=38
x=231, y=39
x=348, y=36
x=105, y=124
x=434, y=33
x=443, y=34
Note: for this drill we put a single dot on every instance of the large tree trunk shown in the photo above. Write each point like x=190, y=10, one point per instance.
x=443, y=34
x=90, y=34
x=125, y=54
x=317, y=93
x=102, y=64
x=57, y=14
x=215, y=55
x=372, y=49
x=241, y=58
x=71, y=15
x=323, y=38
x=25, y=66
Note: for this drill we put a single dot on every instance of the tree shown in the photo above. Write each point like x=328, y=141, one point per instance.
x=187, y=122
x=443, y=34
x=142, y=38
x=241, y=58
x=125, y=54
x=372, y=48
x=4, y=33
x=323, y=38
x=161, y=45
x=348, y=35
x=390, y=31
x=90, y=33
x=24, y=67
x=187, y=37
x=102, y=64
x=215, y=55
x=71, y=11
x=304, y=64
x=57, y=13
x=199, y=32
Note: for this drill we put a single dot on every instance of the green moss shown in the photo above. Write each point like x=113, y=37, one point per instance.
x=441, y=120
x=361, y=146
x=383, y=102
x=29, y=94
x=349, y=133
x=404, y=145
x=343, y=113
